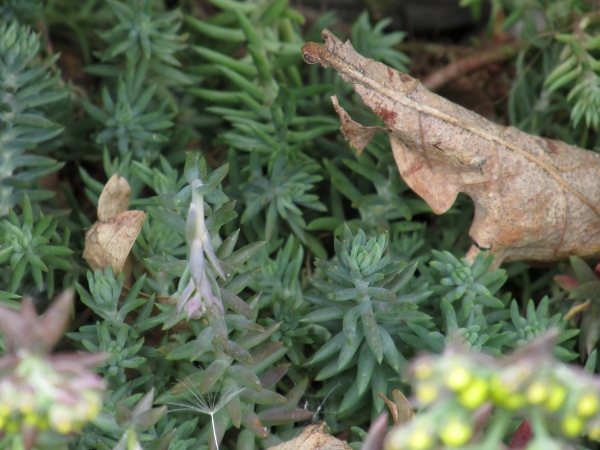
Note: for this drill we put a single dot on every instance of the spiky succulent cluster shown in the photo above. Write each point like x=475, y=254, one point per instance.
x=27, y=88
x=33, y=243
x=362, y=302
x=142, y=31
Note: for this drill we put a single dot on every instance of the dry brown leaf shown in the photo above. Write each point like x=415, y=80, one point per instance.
x=108, y=241
x=313, y=437
x=536, y=199
x=401, y=409
x=114, y=198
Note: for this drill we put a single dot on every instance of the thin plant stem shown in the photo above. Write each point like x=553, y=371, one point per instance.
x=498, y=429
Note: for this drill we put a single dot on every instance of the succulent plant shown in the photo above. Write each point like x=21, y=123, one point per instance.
x=362, y=301
x=42, y=393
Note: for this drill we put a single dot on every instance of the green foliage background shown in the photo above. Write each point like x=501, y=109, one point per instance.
x=335, y=273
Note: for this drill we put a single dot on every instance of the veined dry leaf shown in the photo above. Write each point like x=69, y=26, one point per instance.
x=313, y=437
x=536, y=199
x=109, y=240
x=114, y=198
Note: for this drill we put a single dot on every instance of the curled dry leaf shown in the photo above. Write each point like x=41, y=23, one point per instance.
x=109, y=240
x=536, y=199
x=313, y=437
x=114, y=198
x=401, y=409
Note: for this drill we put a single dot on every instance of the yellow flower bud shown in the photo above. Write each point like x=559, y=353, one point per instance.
x=420, y=439
x=537, y=392
x=423, y=369
x=503, y=396
x=426, y=393
x=594, y=432
x=457, y=378
x=455, y=432
x=61, y=420
x=572, y=426
x=514, y=402
x=94, y=402
x=497, y=389
x=587, y=405
x=475, y=395
x=557, y=397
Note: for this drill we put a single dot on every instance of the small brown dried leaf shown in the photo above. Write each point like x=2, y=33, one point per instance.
x=401, y=409
x=109, y=240
x=108, y=243
x=358, y=135
x=114, y=198
x=313, y=438
x=405, y=409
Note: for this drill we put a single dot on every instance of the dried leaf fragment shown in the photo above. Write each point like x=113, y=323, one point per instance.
x=313, y=437
x=401, y=409
x=114, y=198
x=536, y=199
x=109, y=240
x=358, y=135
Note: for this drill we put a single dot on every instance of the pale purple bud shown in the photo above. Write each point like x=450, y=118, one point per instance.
x=208, y=296
x=185, y=295
x=195, y=308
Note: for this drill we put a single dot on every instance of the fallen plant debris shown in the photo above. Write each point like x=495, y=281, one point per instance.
x=401, y=409
x=313, y=437
x=109, y=240
x=536, y=199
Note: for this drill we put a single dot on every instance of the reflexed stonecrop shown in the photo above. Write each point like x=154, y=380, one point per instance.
x=39, y=392
x=365, y=296
x=462, y=392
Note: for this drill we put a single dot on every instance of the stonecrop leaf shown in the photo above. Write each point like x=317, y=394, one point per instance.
x=536, y=199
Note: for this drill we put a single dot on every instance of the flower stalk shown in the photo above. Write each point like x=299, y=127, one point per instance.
x=198, y=296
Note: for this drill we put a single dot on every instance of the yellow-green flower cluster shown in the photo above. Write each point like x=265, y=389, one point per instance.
x=429, y=432
x=454, y=388
x=452, y=383
x=37, y=395
x=452, y=376
x=562, y=395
